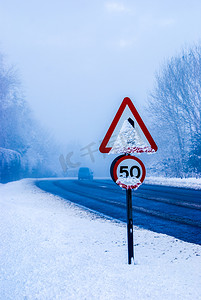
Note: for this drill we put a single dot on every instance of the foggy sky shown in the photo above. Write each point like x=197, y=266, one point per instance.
x=77, y=60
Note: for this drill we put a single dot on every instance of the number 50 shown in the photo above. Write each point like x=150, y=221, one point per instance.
x=124, y=169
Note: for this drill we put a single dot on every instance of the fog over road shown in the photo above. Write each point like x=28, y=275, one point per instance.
x=169, y=210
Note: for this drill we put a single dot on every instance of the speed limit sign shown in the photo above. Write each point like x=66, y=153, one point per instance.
x=128, y=171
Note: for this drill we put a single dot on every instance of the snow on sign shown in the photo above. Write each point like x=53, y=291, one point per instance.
x=128, y=171
x=127, y=132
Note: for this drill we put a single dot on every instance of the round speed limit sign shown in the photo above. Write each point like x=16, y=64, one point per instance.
x=128, y=171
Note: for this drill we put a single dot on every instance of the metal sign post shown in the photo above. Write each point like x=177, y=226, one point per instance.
x=129, y=225
x=128, y=172
x=128, y=134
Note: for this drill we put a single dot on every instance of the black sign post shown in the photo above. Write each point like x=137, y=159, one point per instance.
x=124, y=167
x=129, y=225
x=128, y=172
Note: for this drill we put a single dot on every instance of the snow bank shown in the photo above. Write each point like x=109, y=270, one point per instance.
x=194, y=183
x=52, y=249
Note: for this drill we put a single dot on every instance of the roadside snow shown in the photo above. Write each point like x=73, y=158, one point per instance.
x=194, y=183
x=52, y=249
x=191, y=183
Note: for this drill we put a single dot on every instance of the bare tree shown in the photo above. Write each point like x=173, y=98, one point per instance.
x=175, y=107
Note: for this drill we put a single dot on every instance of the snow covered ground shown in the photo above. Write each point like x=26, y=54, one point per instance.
x=52, y=249
x=194, y=183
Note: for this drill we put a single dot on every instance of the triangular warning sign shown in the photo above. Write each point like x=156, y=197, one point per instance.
x=127, y=132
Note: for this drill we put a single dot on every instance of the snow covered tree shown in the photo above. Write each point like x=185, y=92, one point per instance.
x=20, y=133
x=175, y=108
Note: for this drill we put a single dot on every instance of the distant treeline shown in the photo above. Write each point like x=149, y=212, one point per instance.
x=26, y=150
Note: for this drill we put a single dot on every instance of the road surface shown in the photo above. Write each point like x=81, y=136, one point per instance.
x=169, y=210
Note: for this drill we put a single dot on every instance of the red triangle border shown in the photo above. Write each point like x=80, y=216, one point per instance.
x=126, y=101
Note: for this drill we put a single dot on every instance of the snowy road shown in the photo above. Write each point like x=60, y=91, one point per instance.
x=169, y=210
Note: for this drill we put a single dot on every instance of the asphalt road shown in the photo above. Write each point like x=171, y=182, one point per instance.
x=169, y=210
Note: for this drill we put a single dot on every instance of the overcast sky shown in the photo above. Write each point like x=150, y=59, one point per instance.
x=79, y=59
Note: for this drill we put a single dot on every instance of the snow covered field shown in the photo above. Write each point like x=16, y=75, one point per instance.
x=52, y=249
x=194, y=183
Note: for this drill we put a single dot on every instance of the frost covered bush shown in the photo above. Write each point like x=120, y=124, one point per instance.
x=10, y=165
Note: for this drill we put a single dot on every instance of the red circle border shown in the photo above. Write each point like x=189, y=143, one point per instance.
x=136, y=159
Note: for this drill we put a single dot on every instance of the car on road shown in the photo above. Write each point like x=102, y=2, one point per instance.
x=85, y=173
